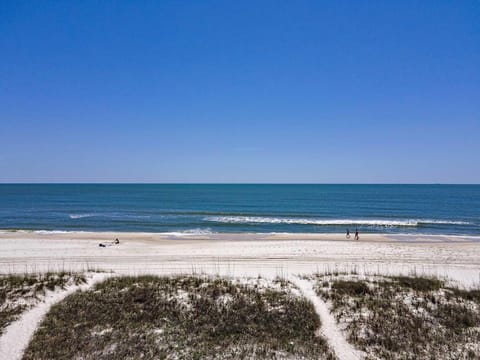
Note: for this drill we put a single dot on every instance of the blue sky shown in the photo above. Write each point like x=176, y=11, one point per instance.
x=240, y=91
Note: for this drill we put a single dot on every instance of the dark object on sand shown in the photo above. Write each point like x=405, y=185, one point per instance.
x=115, y=242
x=348, y=234
x=356, y=234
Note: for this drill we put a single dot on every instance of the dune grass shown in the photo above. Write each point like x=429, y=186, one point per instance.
x=20, y=292
x=183, y=317
x=401, y=317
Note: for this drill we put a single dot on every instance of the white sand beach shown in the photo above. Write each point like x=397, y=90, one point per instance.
x=268, y=255
x=238, y=255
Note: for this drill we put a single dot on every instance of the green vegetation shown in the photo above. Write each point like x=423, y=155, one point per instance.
x=181, y=318
x=19, y=292
x=416, y=283
x=352, y=288
x=405, y=317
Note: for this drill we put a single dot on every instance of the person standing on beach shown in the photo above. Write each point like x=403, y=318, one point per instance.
x=356, y=234
x=348, y=234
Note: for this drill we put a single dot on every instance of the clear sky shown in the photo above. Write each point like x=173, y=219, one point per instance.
x=240, y=91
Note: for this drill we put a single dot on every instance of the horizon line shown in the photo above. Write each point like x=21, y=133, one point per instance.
x=231, y=183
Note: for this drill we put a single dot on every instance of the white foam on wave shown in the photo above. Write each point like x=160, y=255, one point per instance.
x=47, y=232
x=80, y=216
x=190, y=232
x=451, y=222
x=304, y=221
x=106, y=215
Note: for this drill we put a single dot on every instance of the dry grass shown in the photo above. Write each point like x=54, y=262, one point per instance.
x=405, y=317
x=19, y=292
x=151, y=317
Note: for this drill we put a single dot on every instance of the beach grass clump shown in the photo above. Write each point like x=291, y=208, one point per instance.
x=182, y=317
x=401, y=317
x=416, y=283
x=19, y=292
x=352, y=288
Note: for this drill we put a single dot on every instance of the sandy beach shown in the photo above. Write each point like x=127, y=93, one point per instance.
x=268, y=255
x=238, y=256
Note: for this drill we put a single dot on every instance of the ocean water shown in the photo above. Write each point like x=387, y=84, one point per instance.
x=193, y=209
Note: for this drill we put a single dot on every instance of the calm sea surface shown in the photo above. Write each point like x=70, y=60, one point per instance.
x=425, y=209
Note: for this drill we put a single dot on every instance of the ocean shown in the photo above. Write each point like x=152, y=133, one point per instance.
x=248, y=208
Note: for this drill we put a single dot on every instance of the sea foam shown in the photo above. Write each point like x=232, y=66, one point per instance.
x=306, y=221
x=80, y=216
x=108, y=216
x=190, y=232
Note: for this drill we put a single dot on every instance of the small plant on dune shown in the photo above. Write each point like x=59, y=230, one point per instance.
x=352, y=288
x=417, y=283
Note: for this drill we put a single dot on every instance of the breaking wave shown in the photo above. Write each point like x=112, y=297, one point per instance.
x=305, y=221
x=80, y=216
x=190, y=232
x=108, y=216
x=47, y=232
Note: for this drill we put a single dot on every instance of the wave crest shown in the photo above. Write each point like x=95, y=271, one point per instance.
x=80, y=216
x=108, y=216
x=304, y=221
x=190, y=232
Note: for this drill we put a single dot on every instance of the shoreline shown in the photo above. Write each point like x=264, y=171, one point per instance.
x=243, y=254
x=365, y=236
